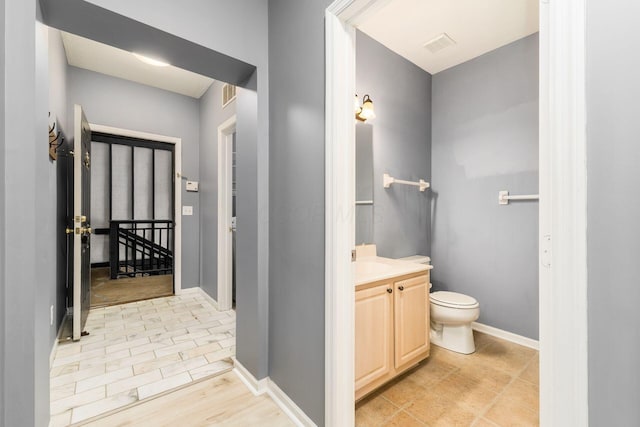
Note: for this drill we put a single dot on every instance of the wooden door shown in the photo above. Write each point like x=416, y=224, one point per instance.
x=411, y=319
x=373, y=334
x=81, y=221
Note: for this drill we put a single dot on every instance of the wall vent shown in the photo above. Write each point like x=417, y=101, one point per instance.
x=440, y=42
x=228, y=94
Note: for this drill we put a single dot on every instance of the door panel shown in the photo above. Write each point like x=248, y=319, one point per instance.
x=373, y=334
x=411, y=319
x=81, y=221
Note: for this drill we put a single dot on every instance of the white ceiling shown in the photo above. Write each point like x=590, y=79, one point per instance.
x=105, y=59
x=477, y=26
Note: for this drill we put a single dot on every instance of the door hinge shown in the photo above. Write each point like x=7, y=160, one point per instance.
x=353, y=255
x=81, y=218
x=545, y=254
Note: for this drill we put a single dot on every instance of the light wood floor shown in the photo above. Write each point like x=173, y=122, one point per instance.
x=106, y=292
x=220, y=401
x=497, y=386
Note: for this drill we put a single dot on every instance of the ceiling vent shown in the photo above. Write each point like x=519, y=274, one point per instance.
x=438, y=43
x=228, y=94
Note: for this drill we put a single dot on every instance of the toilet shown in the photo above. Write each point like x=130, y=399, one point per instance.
x=451, y=316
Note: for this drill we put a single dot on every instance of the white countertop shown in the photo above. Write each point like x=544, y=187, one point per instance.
x=374, y=268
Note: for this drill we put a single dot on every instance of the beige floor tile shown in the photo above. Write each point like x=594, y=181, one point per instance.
x=374, y=410
x=431, y=371
x=63, y=391
x=508, y=413
x=487, y=376
x=524, y=394
x=64, y=369
x=532, y=371
x=129, y=361
x=402, y=392
x=435, y=409
x=508, y=357
x=196, y=351
x=482, y=422
x=403, y=419
x=466, y=392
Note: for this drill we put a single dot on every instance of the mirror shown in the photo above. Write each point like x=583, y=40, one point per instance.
x=364, y=183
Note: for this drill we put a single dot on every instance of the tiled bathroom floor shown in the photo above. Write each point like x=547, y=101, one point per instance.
x=139, y=350
x=495, y=386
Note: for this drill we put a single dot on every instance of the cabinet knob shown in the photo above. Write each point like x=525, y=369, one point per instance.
x=389, y=290
x=401, y=288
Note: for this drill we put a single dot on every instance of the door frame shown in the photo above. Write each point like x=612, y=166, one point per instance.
x=562, y=153
x=225, y=236
x=177, y=159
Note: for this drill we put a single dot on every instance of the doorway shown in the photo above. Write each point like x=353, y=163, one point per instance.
x=227, y=226
x=563, y=399
x=133, y=218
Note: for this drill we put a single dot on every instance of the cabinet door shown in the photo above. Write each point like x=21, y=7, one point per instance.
x=373, y=334
x=411, y=319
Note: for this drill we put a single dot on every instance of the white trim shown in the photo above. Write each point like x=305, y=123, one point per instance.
x=506, y=335
x=203, y=293
x=225, y=236
x=177, y=276
x=339, y=220
x=563, y=206
x=256, y=386
x=280, y=398
x=54, y=348
x=288, y=406
x=563, y=326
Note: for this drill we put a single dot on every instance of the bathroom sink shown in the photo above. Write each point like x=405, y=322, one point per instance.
x=366, y=268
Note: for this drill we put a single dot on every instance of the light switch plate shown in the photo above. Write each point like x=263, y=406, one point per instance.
x=192, y=186
x=187, y=210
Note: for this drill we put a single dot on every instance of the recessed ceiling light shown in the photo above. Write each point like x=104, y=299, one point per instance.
x=151, y=61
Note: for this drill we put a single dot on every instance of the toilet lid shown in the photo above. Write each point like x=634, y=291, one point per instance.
x=453, y=298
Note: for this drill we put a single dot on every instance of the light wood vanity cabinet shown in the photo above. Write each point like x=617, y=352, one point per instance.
x=391, y=329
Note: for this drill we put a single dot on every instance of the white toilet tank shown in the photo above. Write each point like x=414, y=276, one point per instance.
x=420, y=259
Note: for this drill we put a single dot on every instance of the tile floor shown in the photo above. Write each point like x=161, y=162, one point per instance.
x=495, y=386
x=139, y=350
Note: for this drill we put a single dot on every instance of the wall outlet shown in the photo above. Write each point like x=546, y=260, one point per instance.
x=51, y=316
x=187, y=210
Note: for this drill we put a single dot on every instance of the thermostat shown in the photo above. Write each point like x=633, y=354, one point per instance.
x=192, y=186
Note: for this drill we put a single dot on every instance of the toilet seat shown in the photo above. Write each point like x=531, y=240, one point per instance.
x=453, y=300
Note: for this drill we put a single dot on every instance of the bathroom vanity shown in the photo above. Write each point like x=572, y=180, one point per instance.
x=391, y=320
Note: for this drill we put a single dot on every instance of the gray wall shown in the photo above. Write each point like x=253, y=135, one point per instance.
x=123, y=104
x=212, y=115
x=25, y=382
x=485, y=139
x=296, y=229
x=401, y=94
x=613, y=226
x=3, y=320
x=26, y=365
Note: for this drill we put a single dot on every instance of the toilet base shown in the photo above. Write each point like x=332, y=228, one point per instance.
x=458, y=338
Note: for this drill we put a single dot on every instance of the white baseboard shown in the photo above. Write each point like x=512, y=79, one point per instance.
x=257, y=387
x=288, y=406
x=508, y=336
x=52, y=355
x=199, y=290
x=266, y=385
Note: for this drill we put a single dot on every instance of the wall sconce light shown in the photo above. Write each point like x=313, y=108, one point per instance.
x=365, y=111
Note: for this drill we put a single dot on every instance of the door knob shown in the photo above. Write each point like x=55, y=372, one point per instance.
x=389, y=290
x=401, y=288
